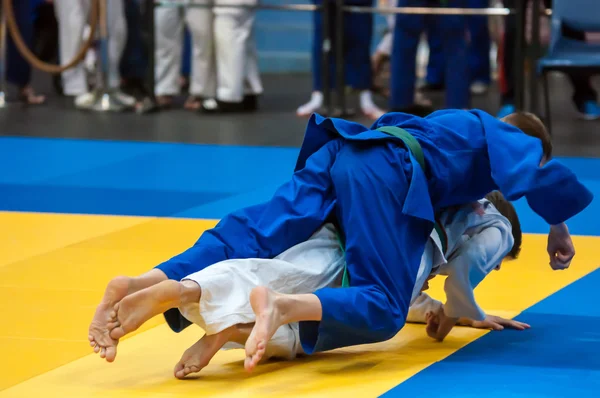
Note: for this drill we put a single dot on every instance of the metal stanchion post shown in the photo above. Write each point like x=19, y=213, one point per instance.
x=2, y=58
x=326, y=57
x=519, y=49
x=105, y=99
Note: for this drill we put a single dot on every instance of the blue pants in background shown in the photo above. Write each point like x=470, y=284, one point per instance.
x=478, y=50
x=18, y=71
x=358, y=33
x=135, y=58
x=186, y=58
x=407, y=32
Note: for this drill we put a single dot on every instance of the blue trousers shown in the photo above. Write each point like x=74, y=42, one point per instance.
x=18, y=71
x=407, y=33
x=362, y=187
x=358, y=33
x=435, y=64
x=135, y=59
x=479, y=49
x=186, y=58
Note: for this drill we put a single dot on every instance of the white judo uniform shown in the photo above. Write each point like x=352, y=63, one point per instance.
x=224, y=55
x=72, y=17
x=476, y=245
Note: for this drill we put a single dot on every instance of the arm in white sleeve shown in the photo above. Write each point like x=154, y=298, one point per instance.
x=422, y=305
x=474, y=259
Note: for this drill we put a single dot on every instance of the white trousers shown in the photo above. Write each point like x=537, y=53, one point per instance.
x=224, y=56
x=309, y=266
x=73, y=16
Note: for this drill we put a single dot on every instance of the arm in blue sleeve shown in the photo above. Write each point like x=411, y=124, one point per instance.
x=553, y=191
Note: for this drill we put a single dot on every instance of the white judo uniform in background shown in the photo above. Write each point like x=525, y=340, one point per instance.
x=476, y=245
x=72, y=17
x=224, y=56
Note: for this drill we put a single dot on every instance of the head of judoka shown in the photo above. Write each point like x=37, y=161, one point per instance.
x=531, y=125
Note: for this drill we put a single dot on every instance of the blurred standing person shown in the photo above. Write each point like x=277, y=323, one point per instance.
x=407, y=32
x=358, y=33
x=134, y=62
x=224, y=74
x=18, y=70
x=72, y=16
x=479, y=49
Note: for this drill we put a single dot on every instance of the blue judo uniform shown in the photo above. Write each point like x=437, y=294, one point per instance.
x=370, y=184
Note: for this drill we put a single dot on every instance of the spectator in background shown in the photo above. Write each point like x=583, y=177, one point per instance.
x=381, y=58
x=478, y=52
x=407, y=32
x=72, y=16
x=358, y=32
x=45, y=36
x=479, y=49
x=18, y=71
x=584, y=95
x=224, y=73
x=134, y=62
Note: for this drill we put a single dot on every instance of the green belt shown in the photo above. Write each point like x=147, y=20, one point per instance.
x=415, y=149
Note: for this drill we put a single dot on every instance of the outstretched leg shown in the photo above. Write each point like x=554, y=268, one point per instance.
x=117, y=289
x=134, y=310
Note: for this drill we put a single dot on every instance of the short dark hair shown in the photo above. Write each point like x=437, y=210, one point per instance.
x=531, y=125
x=508, y=210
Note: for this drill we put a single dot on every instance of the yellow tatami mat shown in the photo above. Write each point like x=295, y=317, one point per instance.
x=53, y=269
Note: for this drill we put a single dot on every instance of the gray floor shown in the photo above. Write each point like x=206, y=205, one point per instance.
x=274, y=125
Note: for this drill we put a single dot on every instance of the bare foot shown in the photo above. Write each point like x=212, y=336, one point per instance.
x=268, y=320
x=196, y=357
x=99, y=333
x=131, y=312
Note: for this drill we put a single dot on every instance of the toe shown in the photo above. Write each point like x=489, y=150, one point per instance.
x=111, y=353
x=117, y=333
x=96, y=348
x=103, y=353
x=92, y=343
x=112, y=325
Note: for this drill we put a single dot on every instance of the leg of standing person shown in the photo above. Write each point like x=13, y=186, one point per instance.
x=453, y=29
x=316, y=98
x=253, y=87
x=203, y=77
x=18, y=70
x=434, y=80
x=169, y=42
x=134, y=60
x=71, y=16
x=233, y=29
x=358, y=34
x=407, y=32
x=479, y=48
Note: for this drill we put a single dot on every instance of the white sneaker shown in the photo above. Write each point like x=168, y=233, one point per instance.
x=85, y=101
x=479, y=88
x=316, y=101
x=125, y=99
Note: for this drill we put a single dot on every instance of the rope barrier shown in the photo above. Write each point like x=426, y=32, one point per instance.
x=30, y=56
